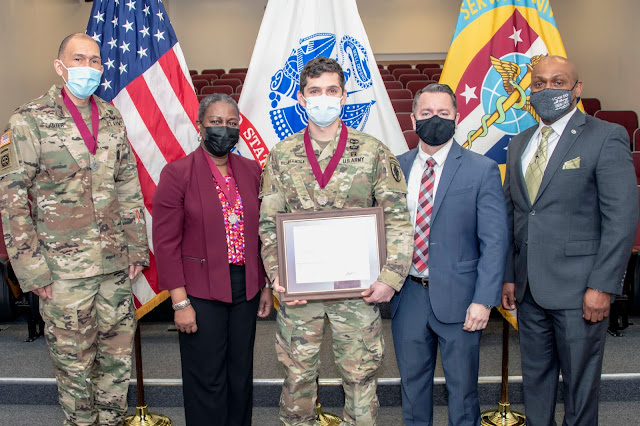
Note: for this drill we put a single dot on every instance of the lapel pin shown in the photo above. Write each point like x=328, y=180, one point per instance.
x=573, y=131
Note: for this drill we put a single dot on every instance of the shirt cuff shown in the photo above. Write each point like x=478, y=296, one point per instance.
x=391, y=278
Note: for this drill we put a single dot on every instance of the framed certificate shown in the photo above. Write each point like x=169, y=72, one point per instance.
x=330, y=254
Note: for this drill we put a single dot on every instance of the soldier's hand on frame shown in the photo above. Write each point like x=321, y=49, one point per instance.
x=185, y=320
x=278, y=288
x=378, y=292
x=509, y=296
x=595, y=305
x=477, y=317
x=43, y=292
x=134, y=270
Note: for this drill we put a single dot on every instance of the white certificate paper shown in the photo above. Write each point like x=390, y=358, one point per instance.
x=333, y=250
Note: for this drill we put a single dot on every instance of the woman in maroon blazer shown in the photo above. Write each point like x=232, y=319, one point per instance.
x=206, y=244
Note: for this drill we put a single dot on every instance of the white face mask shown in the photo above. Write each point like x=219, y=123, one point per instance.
x=323, y=110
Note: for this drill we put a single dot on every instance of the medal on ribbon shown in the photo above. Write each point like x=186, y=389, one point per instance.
x=90, y=138
x=230, y=192
x=323, y=177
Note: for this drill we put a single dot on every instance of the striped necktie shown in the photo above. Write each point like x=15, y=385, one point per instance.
x=535, y=170
x=423, y=217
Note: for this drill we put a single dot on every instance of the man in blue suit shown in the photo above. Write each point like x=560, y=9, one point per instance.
x=457, y=206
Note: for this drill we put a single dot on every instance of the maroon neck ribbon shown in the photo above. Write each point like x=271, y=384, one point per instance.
x=324, y=177
x=89, y=140
x=230, y=191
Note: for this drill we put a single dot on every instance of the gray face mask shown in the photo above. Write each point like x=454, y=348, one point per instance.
x=551, y=104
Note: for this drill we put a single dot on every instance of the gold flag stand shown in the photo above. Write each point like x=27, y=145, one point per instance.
x=143, y=417
x=324, y=419
x=503, y=416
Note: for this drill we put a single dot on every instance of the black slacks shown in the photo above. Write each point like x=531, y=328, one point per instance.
x=559, y=340
x=217, y=360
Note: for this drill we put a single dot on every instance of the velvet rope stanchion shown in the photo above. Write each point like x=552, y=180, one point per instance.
x=143, y=417
x=503, y=416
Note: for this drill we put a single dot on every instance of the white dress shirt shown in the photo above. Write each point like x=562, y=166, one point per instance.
x=415, y=182
x=530, y=150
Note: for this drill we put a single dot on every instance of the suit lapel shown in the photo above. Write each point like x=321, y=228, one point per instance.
x=567, y=139
x=516, y=159
x=449, y=170
x=406, y=162
x=211, y=207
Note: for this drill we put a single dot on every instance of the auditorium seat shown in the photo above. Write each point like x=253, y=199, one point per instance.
x=239, y=75
x=233, y=82
x=414, y=86
x=392, y=67
x=236, y=96
x=627, y=119
x=217, y=89
x=242, y=70
x=399, y=94
x=388, y=77
x=381, y=67
x=436, y=77
x=198, y=84
x=216, y=71
x=431, y=71
x=636, y=140
x=404, y=118
x=401, y=71
x=239, y=88
x=392, y=85
x=208, y=77
x=422, y=67
x=591, y=105
x=412, y=138
x=402, y=105
x=384, y=71
x=636, y=164
x=193, y=72
x=406, y=78
x=201, y=97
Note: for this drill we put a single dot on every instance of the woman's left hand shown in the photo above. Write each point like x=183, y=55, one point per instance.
x=266, y=303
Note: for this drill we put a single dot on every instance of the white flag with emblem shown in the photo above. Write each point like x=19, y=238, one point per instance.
x=292, y=33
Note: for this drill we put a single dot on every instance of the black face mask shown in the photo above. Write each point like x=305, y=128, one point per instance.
x=435, y=131
x=220, y=139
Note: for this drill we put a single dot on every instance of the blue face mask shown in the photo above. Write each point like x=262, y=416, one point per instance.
x=323, y=110
x=83, y=81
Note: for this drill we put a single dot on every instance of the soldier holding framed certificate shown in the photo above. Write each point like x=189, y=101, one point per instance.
x=329, y=167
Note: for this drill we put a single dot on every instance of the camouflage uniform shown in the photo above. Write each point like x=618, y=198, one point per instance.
x=366, y=173
x=83, y=230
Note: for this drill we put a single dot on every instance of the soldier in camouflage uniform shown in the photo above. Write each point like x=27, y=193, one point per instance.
x=367, y=173
x=84, y=236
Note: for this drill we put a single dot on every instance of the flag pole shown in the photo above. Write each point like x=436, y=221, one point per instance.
x=503, y=416
x=143, y=417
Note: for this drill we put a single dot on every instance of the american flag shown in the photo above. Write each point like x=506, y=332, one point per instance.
x=147, y=79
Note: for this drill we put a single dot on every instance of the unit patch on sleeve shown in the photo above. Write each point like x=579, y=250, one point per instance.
x=8, y=155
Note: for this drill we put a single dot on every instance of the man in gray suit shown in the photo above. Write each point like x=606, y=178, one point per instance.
x=572, y=201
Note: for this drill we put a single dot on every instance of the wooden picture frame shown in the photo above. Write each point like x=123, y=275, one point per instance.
x=331, y=254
